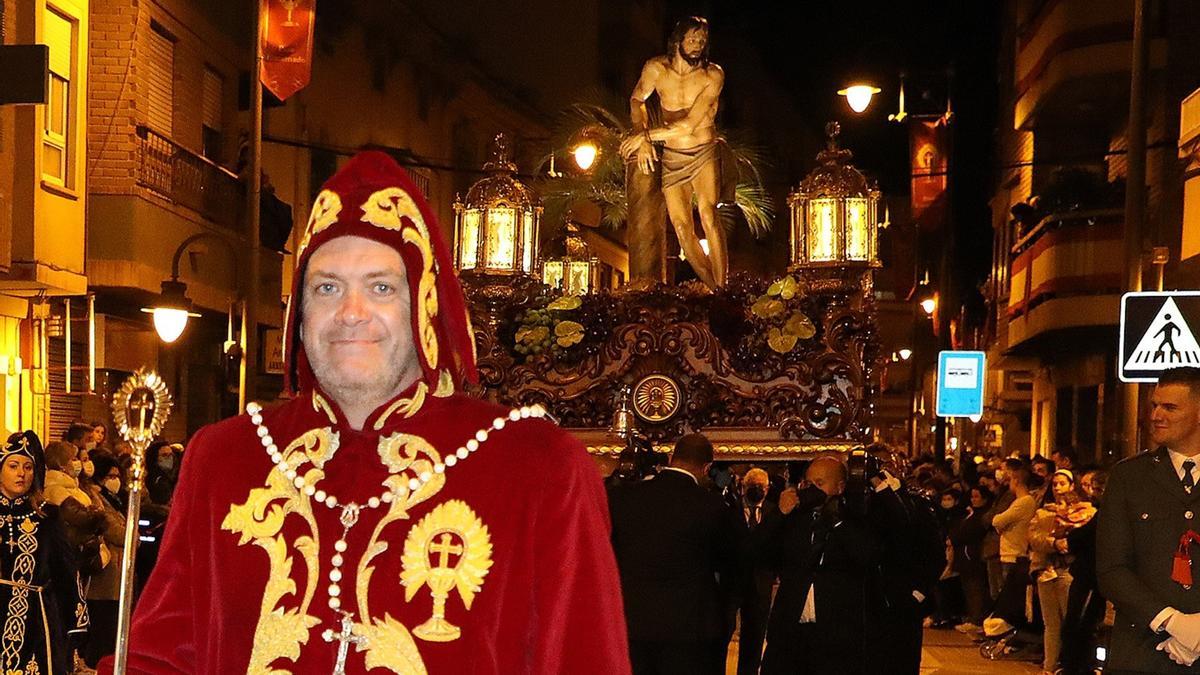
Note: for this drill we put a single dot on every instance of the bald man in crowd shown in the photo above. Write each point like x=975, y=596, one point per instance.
x=826, y=554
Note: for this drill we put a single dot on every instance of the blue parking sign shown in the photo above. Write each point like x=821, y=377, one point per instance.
x=960, y=383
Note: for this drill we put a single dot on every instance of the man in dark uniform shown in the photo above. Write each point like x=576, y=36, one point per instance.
x=676, y=546
x=1152, y=501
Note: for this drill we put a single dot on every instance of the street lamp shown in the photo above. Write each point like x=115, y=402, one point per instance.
x=929, y=305
x=172, y=310
x=585, y=155
x=859, y=96
x=496, y=226
x=834, y=213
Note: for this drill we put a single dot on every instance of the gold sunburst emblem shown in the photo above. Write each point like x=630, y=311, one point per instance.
x=449, y=549
x=656, y=398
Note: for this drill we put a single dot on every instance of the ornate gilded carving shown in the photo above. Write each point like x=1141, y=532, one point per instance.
x=656, y=398
x=710, y=344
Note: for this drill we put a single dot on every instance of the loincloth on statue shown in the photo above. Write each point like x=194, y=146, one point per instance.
x=682, y=166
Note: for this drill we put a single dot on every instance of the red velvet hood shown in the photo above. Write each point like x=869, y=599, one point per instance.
x=372, y=197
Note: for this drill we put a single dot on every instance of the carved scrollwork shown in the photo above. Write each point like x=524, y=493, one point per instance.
x=705, y=343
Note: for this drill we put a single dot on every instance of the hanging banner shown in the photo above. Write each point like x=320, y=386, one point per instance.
x=929, y=149
x=287, y=41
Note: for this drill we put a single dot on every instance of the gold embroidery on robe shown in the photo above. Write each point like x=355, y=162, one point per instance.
x=405, y=406
x=386, y=209
x=451, y=529
x=445, y=385
x=325, y=210
x=18, y=603
x=282, y=629
x=319, y=404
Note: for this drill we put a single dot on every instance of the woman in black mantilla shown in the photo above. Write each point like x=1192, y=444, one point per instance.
x=39, y=588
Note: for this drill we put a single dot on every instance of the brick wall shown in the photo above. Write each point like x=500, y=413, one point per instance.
x=118, y=94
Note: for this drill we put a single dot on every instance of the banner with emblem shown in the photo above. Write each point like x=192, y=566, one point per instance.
x=929, y=151
x=287, y=42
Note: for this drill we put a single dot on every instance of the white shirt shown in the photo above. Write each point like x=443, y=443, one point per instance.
x=682, y=471
x=1177, y=461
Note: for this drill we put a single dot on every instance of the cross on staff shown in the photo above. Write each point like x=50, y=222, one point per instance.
x=346, y=638
x=143, y=406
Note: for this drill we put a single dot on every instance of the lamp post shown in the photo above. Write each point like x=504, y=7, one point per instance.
x=859, y=95
x=173, y=308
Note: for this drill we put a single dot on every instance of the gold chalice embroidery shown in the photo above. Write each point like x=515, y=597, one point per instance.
x=449, y=549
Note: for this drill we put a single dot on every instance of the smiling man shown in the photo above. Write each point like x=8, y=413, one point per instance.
x=1143, y=557
x=382, y=520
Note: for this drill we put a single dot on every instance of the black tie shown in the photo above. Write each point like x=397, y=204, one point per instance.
x=754, y=516
x=1188, y=481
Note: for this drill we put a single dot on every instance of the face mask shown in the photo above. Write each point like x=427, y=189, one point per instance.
x=89, y=469
x=166, y=463
x=755, y=493
x=113, y=485
x=76, y=467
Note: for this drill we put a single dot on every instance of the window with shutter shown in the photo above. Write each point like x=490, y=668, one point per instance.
x=212, y=91
x=160, y=81
x=58, y=34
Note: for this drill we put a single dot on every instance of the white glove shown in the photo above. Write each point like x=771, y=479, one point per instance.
x=1177, y=652
x=1185, y=628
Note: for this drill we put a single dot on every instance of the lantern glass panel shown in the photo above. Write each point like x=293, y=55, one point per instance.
x=552, y=273
x=822, y=230
x=857, y=230
x=468, y=243
x=500, y=249
x=578, y=277
x=527, y=242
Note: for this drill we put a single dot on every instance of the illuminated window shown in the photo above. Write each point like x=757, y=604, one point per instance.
x=857, y=230
x=57, y=151
x=822, y=231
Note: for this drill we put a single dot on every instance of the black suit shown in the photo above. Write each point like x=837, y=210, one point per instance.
x=837, y=555
x=675, y=544
x=756, y=577
x=1145, y=511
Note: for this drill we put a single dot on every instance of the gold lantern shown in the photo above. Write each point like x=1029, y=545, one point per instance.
x=496, y=228
x=576, y=272
x=834, y=222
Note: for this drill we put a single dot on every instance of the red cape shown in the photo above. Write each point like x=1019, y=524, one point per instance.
x=548, y=597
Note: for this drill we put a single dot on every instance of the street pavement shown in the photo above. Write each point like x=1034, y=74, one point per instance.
x=946, y=652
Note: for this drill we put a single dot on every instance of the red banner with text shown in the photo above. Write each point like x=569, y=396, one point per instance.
x=929, y=141
x=287, y=42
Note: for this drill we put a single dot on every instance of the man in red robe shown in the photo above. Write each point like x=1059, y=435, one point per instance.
x=381, y=520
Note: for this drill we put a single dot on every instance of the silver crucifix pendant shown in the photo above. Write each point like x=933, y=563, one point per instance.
x=347, y=637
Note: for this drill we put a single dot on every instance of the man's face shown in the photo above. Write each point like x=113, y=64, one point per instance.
x=1042, y=469
x=356, y=325
x=828, y=476
x=691, y=47
x=1175, y=417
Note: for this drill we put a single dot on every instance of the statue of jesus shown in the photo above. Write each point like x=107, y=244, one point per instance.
x=688, y=87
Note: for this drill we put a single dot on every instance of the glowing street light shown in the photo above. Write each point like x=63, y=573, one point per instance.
x=172, y=311
x=585, y=155
x=905, y=354
x=928, y=305
x=859, y=96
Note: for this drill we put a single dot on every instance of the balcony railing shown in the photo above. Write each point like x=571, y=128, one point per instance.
x=188, y=179
x=1074, y=253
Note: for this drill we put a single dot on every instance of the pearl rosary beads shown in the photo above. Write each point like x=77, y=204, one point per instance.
x=351, y=510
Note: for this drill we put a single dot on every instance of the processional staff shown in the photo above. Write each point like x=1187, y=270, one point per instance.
x=140, y=409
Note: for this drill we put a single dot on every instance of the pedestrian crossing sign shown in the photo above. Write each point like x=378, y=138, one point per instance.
x=1157, y=333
